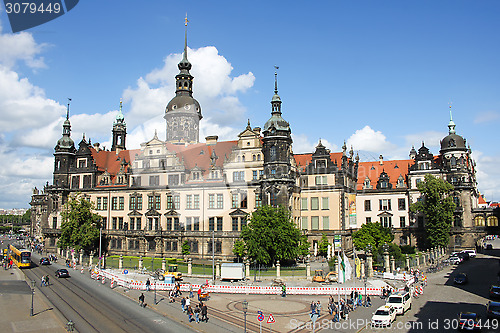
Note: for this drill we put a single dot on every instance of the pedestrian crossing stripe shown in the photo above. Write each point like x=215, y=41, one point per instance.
x=271, y=320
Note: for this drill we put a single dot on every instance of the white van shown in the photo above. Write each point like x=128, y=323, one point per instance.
x=401, y=301
x=472, y=253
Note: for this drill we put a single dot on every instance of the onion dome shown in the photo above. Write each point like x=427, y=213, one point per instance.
x=452, y=141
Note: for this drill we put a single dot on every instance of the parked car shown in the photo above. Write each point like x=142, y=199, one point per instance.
x=461, y=278
x=44, y=261
x=472, y=253
x=469, y=321
x=62, y=273
x=493, y=310
x=455, y=260
x=384, y=316
x=495, y=291
x=463, y=255
x=488, y=247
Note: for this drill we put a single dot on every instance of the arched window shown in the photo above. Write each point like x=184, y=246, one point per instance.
x=479, y=221
x=243, y=158
x=254, y=158
x=258, y=157
x=492, y=221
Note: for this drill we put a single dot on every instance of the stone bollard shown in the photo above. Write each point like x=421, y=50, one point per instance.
x=81, y=257
x=120, y=262
x=386, y=262
x=369, y=265
x=140, y=263
x=328, y=256
x=91, y=258
x=278, y=269
x=67, y=254
x=407, y=262
x=247, y=269
x=417, y=260
x=163, y=264
x=393, y=265
x=308, y=269
x=217, y=269
x=362, y=269
x=190, y=267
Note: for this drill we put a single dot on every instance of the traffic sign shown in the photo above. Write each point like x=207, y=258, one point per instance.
x=125, y=271
x=271, y=320
x=260, y=317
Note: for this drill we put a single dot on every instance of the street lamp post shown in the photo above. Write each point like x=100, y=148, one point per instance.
x=152, y=270
x=32, y=294
x=245, y=309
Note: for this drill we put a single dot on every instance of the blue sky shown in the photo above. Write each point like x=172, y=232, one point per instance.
x=378, y=74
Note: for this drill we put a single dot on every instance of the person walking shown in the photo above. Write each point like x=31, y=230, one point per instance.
x=141, y=300
x=197, y=311
x=188, y=302
x=318, y=308
x=190, y=291
x=189, y=312
x=42, y=282
x=183, y=304
x=368, y=301
x=204, y=313
x=199, y=294
x=148, y=285
x=47, y=280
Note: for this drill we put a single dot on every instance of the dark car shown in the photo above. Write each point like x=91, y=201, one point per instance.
x=62, y=273
x=469, y=321
x=461, y=278
x=494, y=291
x=44, y=261
x=488, y=247
x=463, y=255
x=493, y=310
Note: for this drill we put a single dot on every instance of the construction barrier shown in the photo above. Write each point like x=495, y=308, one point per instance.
x=230, y=289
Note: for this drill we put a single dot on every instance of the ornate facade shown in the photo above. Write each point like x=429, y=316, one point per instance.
x=155, y=198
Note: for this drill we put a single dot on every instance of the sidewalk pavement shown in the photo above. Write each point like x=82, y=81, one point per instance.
x=15, y=305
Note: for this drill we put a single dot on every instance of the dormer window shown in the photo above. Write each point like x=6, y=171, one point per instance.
x=367, y=182
x=82, y=163
x=195, y=175
x=320, y=163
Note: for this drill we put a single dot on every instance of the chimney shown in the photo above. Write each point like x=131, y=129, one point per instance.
x=381, y=159
x=257, y=130
x=211, y=140
x=96, y=146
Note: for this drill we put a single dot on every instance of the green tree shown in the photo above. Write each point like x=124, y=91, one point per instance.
x=185, y=248
x=437, y=207
x=271, y=235
x=372, y=233
x=304, y=246
x=80, y=226
x=323, y=246
x=239, y=248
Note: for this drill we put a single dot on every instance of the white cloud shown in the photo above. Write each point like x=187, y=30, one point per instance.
x=302, y=144
x=488, y=175
x=369, y=140
x=430, y=139
x=20, y=46
x=22, y=104
x=485, y=117
x=214, y=88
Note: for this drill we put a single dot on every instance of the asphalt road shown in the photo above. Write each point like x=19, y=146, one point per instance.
x=96, y=308
x=438, y=308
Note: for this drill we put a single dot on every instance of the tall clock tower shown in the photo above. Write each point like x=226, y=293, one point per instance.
x=183, y=112
x=279, y=179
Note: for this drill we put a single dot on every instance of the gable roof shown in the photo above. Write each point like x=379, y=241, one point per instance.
x=373, y=170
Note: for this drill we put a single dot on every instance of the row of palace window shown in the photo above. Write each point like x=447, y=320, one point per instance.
x=170, y=246
x=315, y=203
x=315, y=220
x=215, y=201
x=386, y=221
x=192, y=223
x=490, y=221
x=385, y=204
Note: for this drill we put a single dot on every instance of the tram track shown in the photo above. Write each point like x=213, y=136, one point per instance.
x=89, y=312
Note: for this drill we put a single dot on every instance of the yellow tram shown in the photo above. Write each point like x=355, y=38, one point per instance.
x=20, y=257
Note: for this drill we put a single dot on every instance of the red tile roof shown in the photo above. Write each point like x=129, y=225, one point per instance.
x=192, y=156
x=374, y=169
x=303, y=160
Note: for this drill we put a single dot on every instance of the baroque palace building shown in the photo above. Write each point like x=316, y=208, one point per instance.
x=153, y=199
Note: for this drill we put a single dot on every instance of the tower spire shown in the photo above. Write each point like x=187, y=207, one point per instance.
x=276, y=101
x=451, y=124
x=67, y=109
x=186, y=36
x=276, y=79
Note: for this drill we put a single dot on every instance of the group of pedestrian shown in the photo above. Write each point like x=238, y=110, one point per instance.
x=7, y=263
x=386, y=292
x=316, y=308
x=44, y=281
x=340, y=310
x=197, y=313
